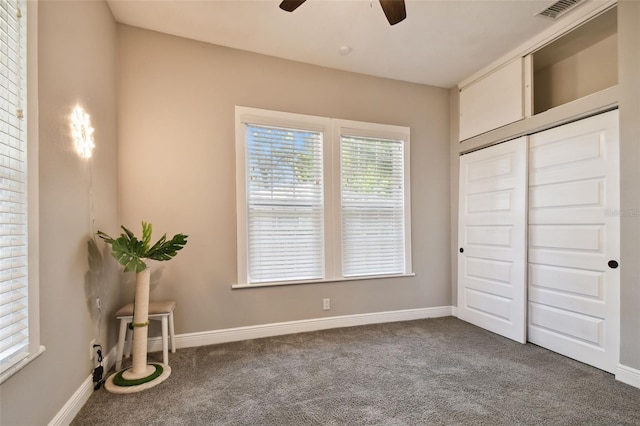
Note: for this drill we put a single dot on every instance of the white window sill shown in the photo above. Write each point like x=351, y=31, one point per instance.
x=361, y=278
x=20, y=365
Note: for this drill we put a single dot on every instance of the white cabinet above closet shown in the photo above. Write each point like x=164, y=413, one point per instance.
x=567, y=64
x=492, y=101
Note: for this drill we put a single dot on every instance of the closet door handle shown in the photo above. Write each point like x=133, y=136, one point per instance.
x=461, y=250
x=612, y=264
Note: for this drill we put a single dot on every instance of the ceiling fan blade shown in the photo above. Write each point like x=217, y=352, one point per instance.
x=394, y=10
x=291, y=5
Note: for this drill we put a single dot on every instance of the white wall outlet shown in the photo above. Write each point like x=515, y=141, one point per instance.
x=92, y=351
x=326, y=304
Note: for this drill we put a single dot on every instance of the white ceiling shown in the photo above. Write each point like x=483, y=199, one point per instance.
x=440, y=43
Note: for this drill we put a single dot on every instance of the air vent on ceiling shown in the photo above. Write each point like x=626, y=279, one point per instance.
x=559, y=8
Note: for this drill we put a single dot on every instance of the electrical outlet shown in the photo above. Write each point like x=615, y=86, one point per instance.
x=326, y=304
x=92, y=350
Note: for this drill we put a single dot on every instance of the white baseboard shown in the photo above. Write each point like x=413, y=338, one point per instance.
x=628, y=375
x=74, y=404
x=454, y=311
x=81, y=396
x=277, y=329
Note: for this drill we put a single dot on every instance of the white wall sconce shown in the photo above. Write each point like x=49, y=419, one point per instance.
x=82, y=132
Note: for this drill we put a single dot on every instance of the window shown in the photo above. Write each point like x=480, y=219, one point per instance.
x=320, y=199
x=19, y=340
x=372, y=207
x=285, y=204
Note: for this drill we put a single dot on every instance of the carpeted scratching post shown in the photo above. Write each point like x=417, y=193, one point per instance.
x=141, y=375
x=129, y=251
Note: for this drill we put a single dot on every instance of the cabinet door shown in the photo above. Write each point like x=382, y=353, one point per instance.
x=492, y=101
x=491, y=234
x=574, y=240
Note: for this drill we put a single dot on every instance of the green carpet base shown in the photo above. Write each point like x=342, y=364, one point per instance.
x=118, y=384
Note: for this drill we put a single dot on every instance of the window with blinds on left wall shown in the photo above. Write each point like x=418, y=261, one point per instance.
x=19, y=331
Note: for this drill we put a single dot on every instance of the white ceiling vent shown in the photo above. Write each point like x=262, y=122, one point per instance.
x=559, y=8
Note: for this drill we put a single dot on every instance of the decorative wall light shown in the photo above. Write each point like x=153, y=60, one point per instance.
x=82, y=132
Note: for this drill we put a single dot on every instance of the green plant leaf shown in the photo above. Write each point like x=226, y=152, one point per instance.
x=129, y=252
x=129, y=233
x=157, y=245
x=146, y=235
x=165, y=250
x=107, y=239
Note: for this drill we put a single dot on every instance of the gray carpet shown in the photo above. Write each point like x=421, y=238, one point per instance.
x=429, y=372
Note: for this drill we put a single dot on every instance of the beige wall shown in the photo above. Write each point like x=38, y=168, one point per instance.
x=176, y=101
x=76, y=65
x=586, y=72
x=629, y=77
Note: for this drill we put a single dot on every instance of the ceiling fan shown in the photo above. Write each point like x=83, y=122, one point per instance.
x=394, y=10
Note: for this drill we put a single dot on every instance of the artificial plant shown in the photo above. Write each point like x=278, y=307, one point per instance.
x=130, y=251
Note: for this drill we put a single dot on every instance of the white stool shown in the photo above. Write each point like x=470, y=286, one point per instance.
x=162, y=311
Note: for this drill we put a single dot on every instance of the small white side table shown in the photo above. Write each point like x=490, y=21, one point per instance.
x=161, y=310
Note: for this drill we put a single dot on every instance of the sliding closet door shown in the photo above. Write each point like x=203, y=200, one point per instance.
x=574, y=229
x=491, y=235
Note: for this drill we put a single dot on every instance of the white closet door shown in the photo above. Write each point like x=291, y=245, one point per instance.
x=491, y=236
x=574, y=229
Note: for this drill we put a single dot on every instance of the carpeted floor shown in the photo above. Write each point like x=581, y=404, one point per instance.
x=439, y=371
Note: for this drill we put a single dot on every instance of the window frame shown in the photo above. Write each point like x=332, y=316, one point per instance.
x=382, y=131
x=245, y=115
x=30, y=74
x=331, y=130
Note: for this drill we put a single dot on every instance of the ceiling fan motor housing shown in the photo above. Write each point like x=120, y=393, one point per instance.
x=394, y=10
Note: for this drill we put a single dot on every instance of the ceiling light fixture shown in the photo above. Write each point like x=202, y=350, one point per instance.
x=345, y=49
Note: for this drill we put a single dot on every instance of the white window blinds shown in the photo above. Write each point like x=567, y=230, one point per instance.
x=14, y=333
x=373, y=206
x=285, y=206
x=320, y=199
